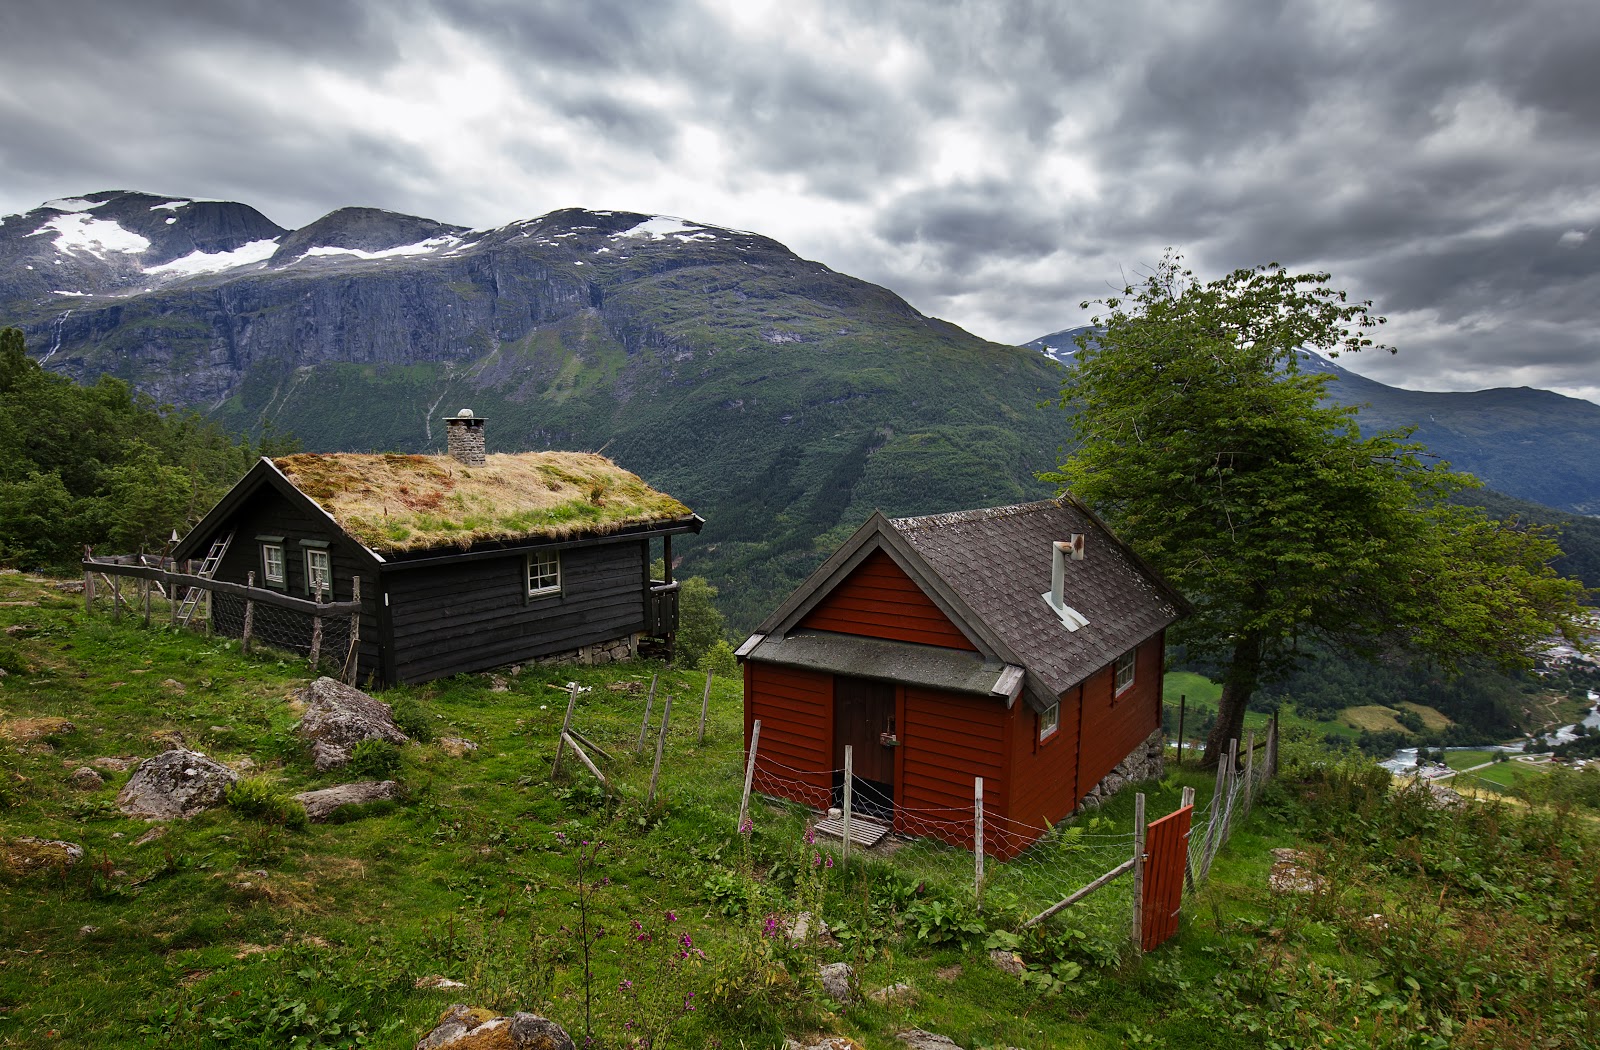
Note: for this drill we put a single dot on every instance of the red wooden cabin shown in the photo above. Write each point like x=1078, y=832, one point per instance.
x=1021, y=644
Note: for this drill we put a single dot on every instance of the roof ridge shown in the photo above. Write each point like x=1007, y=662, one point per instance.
x=981, y=514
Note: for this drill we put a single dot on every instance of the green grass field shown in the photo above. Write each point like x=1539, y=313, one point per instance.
x=227, y=931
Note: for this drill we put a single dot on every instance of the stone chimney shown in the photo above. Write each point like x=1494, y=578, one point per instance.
x=463, y=435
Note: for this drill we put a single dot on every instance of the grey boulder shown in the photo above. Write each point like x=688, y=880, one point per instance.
x=338, y=717
x=175, y=784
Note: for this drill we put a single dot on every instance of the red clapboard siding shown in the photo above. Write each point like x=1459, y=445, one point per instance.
x=1044, y=773
x=1114, y=725
x=796, y=713
x=947, y=740
x=880, y=601
x=1166, y=848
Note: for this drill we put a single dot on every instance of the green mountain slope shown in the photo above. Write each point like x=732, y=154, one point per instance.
x=779, y=399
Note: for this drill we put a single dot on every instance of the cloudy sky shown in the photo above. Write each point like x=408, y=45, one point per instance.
x=994, y=163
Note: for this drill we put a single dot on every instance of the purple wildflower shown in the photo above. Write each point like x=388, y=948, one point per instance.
x=672, y=916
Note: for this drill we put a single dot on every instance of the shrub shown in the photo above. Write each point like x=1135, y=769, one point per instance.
x=255, y=797
x=375, y=758
x=413, y=720
x=720, y=661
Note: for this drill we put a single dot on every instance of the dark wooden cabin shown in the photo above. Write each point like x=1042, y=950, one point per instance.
x=1023, y=645
x=466, y=562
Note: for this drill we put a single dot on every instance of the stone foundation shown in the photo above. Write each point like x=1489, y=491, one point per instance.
x=615, y=651
x=1148, y=761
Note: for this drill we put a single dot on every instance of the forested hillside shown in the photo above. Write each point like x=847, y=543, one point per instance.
x=99, y=464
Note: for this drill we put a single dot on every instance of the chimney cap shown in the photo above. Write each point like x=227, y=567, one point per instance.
x=465, y=413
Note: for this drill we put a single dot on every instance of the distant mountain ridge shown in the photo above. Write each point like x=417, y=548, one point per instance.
x=781, y=400
x=1533, y=444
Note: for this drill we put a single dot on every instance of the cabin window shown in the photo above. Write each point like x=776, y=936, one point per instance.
x=544, y=573
x=1050, y=720
x=272, y=565
x=1125, y=666
x=319, y=574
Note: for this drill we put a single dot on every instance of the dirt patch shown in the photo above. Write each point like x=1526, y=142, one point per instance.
x=1433, y=720
x=1374, y=718
x=23, y=730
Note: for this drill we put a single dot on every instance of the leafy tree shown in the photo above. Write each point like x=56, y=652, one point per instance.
x=99, y=464
x=1221, y=462
x=720, y=660
x=700, y=625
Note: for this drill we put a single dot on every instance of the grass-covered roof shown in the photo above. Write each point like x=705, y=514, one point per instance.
x=396, y=503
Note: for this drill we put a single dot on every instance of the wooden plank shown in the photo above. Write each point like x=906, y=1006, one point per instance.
x=864, y=831
x=1073, y=898
x=1162, y=897
x=258, y=594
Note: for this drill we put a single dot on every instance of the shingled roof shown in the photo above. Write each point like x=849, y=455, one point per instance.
x=987, y=569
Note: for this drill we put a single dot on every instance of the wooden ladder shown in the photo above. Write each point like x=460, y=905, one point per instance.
x=191, y=599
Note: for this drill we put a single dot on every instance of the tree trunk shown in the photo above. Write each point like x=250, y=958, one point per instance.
x=1238, y=686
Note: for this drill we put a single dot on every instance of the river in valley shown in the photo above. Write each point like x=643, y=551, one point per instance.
x=1405, y=759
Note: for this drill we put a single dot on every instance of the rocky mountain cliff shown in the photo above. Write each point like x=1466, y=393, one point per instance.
x=783, y=401
x=1533, y=444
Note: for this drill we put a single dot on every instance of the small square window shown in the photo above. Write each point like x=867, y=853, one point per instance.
x=1050, y=720
x=1125, y=667
x=544, y=573
x=319, y=574
x=272, y=568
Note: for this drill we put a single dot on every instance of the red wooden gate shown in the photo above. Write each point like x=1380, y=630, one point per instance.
x=1166, y=852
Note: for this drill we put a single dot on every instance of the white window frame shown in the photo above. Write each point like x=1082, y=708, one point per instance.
x=1126, y=670
x=313, y=571
x=543, y=573
x=281, y=580
x=1049, y=721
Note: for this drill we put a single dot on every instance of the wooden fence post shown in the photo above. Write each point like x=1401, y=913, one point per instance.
x=209, y=596
x=88, y=581
x=144, y=586
x=249, y=615
x=316, y=631
x=352, y=659
x=849, y=794
x=173, y=602
x=116, y=599
x=1138, y=874
x=977, y=839
x=1218, y=800
x=661, y=744
x=1183, y=702
x=1249, y=771
x=1187, y=799
x=1233, y=790
x=705, y=702
x=644, y=727
x=749, y=771
x=1272, y=747
x=566, y=724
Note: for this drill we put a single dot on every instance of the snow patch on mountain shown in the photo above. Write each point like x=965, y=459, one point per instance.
x=427, y=247
x=76, y=231
x=71, y=204
x=198, y=262
x=171, y=205
x=663, y=226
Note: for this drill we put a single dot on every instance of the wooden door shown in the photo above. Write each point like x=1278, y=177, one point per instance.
x=863, y=717
x=1166, y=853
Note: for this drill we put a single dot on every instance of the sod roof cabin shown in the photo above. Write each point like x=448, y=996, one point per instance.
x=1023, y=645
x=466, y=561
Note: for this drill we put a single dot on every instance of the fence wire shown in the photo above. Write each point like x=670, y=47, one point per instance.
x=286, y=630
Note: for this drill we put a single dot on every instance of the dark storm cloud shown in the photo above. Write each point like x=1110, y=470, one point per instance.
x=993, y=163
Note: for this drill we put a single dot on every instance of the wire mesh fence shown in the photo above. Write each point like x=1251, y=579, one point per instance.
x=1027, y=867
x=325, y=634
